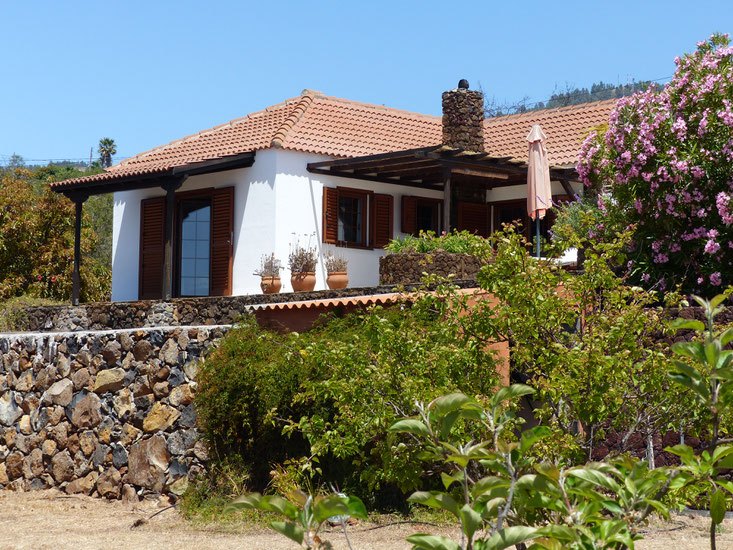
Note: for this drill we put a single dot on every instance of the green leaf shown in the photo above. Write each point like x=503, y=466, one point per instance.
x=290, y=530
x=449, y=480
x=269, y=503
x=693, y=350
x=488, y=483
x=531, y=436
x=250, y=500
x=685, y=452
x=717, y=506
x=432, y=542
x=509, y=536
x=277, y=504
x=435, y=499
x=510, y=392
x=719, y=299
x=727, y=337
x=690, y=324
x=595, y=477
x=332, y=505
x=470, y=520
x=357, y=508
x=449, y=403
x=447, y=423
x=410, y=425
x=720, y=453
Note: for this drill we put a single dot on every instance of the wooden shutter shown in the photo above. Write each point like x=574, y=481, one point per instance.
x=409, y=214
x=222, y=228
x=474, y=218
x=330, y=215
x=152, y=248
x=382, y=220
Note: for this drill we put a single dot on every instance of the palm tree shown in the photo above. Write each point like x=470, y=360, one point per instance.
x=107, y=148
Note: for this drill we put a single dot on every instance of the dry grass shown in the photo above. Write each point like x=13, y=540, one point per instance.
x=50, y=520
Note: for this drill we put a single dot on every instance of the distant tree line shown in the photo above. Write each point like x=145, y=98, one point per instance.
x=564, y=98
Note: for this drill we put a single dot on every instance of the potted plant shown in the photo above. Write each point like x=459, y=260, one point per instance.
x=270, y=272
x=302, y=261
x=336, y=267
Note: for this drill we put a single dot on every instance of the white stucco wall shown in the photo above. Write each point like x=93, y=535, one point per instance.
x=276, y=202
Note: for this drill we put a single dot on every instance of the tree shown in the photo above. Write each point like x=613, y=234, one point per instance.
x=106, y=149
x=665, y=167
x=37, y=243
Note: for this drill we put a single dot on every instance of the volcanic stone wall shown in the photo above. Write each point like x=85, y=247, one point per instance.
x=408, y=268
x=179, y=311
x=106, y=413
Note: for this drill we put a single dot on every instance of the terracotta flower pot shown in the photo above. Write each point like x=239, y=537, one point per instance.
x=337, y=279
x=303, y=282
x=270, y=285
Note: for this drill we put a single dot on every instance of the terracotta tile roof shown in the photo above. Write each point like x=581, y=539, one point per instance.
x=328, y=303
x=335, y=127
x=366, y=300
x=565, y=128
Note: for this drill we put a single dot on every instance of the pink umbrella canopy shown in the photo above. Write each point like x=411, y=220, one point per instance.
x=539, y=191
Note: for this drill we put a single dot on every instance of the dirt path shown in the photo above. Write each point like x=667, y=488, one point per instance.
x=50, y=520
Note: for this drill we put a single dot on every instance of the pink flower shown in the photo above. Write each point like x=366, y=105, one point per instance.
x=38, y=277
x=715, y=278
x=53, y=279
x=711, y=247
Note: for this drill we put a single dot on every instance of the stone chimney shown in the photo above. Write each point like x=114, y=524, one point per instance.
x=463, y=118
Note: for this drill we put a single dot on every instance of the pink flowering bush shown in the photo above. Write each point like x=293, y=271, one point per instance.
x=665, y=167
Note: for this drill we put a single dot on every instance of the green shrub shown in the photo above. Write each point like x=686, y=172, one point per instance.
x=324, y=399
x=456, y=242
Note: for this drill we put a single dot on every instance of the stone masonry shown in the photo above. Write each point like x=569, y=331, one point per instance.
x=105, y=413
x=463, y=119
x=408, y=268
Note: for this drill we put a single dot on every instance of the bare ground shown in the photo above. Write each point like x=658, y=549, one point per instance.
x=50, y=520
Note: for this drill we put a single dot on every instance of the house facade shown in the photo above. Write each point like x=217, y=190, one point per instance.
x=196, y=216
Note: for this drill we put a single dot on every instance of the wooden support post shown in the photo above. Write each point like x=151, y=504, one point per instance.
x=568, y=188
x=78, y=199
x=447, y=200
x=76, y=281
x=170, y=211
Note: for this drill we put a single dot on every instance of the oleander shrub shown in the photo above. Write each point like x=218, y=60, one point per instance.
x=665, y=167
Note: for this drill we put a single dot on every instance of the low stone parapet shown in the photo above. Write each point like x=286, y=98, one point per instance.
x=408, y=268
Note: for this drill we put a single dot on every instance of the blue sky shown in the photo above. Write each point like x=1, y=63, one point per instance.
x=148, y=72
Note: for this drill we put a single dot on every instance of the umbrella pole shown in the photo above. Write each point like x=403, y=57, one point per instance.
x=537, y=219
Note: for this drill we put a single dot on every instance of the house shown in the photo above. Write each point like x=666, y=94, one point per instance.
x=194, y=217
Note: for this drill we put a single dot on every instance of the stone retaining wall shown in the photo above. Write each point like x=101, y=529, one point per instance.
x=106, y=413
x=408, y=268
x=179, y=311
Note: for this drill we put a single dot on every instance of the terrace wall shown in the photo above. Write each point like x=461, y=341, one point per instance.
x=107, y=413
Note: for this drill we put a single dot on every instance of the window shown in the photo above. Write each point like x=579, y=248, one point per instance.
x=195, y=247
x=421, y=214
x=202, y=244
x=352, y=212
x=356, y=217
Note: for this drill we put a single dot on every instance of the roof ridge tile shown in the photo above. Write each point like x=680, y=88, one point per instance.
x=298, y=111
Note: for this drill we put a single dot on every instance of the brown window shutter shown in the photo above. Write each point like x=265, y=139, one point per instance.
x=222, y=228
x=382, y=226
x=409, y=214
x=152, y=248
x=474, y=218
x=330, y=215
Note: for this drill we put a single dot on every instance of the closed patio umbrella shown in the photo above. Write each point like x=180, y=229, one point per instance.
x=539, y=192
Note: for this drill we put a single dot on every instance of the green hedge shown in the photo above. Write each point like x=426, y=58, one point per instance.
x=324, y=399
